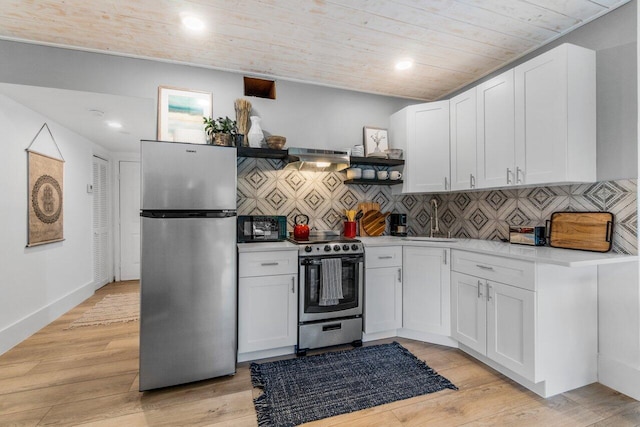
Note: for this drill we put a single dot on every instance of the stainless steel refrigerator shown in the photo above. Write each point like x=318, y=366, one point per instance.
x=188, y=266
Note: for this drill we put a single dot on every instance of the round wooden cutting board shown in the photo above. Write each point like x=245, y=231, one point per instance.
x=374, y=222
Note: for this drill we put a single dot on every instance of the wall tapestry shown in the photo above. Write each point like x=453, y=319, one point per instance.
x=45, y=197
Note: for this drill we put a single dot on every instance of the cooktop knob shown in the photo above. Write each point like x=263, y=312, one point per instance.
x=354, y=247
x=327, y=248
x=308, y=249
x=345, y=247
x=336, y=248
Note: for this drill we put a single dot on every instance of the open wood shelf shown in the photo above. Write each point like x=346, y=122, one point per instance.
x=263, y=153
x=376, y=161
x=373, y=181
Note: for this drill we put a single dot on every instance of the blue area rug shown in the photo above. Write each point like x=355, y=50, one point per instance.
x=297, y=391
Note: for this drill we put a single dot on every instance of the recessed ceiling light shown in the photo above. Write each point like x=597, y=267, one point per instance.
x=115, y=125
x=404, y=64
x=193, y=23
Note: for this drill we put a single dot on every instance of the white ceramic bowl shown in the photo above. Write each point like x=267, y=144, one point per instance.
x=369, y=174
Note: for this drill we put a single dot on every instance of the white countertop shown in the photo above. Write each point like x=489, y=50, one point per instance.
x=267, y=246
x=543, y=254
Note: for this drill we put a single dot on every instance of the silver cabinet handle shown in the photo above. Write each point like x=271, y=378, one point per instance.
x=472, y=181
x=399, y=275
x=444, y=256
x=446, y=183
x=508, y=176
x=480, y=295
x=293, y=284
x=488, y=292
x=385, y=257
x=484, y=267
x=266, y=264
x=518, y=172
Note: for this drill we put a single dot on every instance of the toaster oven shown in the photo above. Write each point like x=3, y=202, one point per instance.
x=261, y=228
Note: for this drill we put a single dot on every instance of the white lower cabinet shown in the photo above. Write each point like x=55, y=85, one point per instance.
x=267, y=304
x=496, y=320
x=536, y=323
x=383, y=289
x=426, y=290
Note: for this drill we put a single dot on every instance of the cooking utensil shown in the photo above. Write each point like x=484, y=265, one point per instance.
x=301, y=230
x=587, y=231
x=374, y=222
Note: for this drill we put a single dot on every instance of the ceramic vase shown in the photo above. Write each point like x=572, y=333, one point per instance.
x=255, y=135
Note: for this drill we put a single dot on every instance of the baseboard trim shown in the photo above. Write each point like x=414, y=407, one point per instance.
x=619, y=376
x=14, y=334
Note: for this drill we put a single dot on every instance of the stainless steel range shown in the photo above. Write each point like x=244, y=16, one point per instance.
x=330, y=290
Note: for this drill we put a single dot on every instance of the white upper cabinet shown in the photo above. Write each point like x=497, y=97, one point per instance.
x=555, y=117
x=496, y=131
x=423, y=132
x=463, y=140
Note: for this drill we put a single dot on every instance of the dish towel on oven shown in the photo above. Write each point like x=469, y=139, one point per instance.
x=331, y=284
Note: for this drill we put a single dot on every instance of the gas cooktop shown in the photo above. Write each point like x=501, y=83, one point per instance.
x=328, y=246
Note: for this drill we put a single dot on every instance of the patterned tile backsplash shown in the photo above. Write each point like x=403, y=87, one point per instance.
x=264, y=188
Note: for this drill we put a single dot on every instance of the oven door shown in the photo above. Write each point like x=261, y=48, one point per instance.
x=310, y=283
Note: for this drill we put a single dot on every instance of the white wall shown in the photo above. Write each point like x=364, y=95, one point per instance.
x=308, y=115
x=39, y=284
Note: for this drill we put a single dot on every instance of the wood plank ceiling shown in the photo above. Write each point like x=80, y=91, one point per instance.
x=350, y=44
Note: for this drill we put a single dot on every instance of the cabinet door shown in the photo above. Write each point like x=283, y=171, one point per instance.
x=267, y=312
x=496, y=129
x=469, y=311
x=463, y=140
x=541, y=118
x=426, y=290
x=427, y=156
x=511, y=328
x=382, y=299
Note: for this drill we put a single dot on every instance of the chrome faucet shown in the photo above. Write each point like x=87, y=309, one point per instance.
x=435, y=228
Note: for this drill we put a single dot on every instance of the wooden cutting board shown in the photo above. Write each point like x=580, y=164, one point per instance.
x=366, y=207
x=587, y=231
x=374, y=222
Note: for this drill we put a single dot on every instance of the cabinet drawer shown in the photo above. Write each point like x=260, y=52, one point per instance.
x=383, y=256
x=267, y=263
x=505, y=270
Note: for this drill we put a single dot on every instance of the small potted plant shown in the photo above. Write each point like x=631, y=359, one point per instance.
x=221, y=131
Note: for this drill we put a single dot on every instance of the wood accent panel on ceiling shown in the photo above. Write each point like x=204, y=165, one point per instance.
x=350, y=44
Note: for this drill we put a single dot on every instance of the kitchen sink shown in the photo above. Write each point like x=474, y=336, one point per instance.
x=429, y=239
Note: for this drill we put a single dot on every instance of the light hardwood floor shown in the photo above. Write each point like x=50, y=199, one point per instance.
x=89, y=376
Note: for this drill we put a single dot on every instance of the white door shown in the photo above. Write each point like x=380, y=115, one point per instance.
x=101, y=254
x=511, y=328
x=463, y=140
x=427, y=158
x=496, y=132
x=426, y=290
x=469, y=311
x=383, y=299
x=267, y=312
x=541, y=118
x=129, y=220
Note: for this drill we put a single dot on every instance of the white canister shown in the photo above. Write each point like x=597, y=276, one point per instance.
x=354, y=173
x=369, y=174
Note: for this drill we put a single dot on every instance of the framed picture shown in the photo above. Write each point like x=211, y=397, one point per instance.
x=376, y=142
x=180, y=113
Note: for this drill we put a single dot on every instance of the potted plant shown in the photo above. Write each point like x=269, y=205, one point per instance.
x=221, y=131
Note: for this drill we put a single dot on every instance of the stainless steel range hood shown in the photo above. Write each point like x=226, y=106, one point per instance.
x=310, y=159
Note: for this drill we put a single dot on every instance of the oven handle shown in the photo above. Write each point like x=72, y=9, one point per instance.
x=319, y=262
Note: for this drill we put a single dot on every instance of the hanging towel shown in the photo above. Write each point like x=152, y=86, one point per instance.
x=331, y=284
